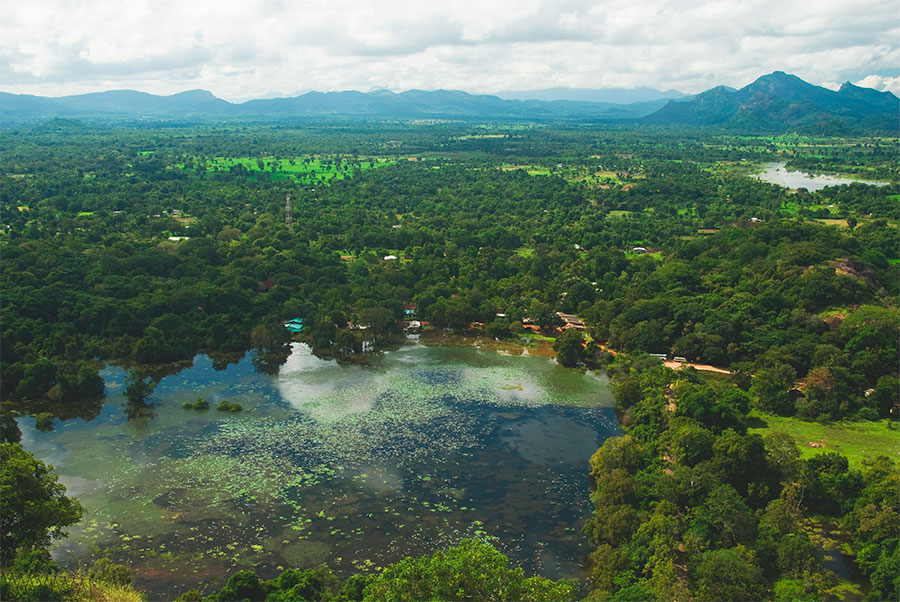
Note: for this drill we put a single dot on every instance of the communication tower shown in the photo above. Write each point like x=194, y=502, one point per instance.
x=288, y=218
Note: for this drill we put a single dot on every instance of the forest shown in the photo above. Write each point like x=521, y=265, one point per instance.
x=144, y=246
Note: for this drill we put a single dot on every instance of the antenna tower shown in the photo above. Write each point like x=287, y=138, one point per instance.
x=288, y=218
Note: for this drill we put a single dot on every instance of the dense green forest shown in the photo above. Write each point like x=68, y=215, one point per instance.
x=137, y=247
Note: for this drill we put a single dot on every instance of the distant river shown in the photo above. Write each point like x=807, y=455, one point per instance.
x=777, y=173
x=356, y=466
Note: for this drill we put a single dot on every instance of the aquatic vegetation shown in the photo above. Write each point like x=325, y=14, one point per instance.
x=200, y=404
x=358, y=466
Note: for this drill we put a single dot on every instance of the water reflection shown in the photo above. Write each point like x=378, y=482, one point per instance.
x=777, y=173
x=357, y=466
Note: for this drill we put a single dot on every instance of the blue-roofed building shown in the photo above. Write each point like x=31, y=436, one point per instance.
x=295, y=325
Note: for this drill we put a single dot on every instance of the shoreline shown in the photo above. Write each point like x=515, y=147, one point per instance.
x=441, y=338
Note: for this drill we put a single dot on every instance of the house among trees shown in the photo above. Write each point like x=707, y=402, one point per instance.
x=295, y=325
x=570, y=321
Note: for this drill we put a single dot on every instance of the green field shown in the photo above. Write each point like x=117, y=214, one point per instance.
x=857, y=440
x=657, y=256
x=531, y=170
x=525, y=252
x=535, y=336
x=305, y=170
x=570, y=173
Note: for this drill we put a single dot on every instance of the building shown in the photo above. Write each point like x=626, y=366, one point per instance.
x=295, y=325
x=570, y=321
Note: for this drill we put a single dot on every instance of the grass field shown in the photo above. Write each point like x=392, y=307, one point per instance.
x=833, y=222
x=572, y=173
x=857, y=440
x=305, y=170
x=535, y=336
x=531, y=170
x=655, y=255
x=525, y=252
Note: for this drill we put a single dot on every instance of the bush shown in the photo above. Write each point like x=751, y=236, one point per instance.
x=227, y=406
x=243, y=585
x=35, y=561
x=105, y=570
x=192, y=595
x=471, y=571
x=43, y=421
x=199, y=404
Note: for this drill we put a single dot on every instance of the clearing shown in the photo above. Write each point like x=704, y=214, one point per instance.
x=857, y=440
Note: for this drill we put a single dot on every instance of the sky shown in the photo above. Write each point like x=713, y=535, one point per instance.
x=242, y=49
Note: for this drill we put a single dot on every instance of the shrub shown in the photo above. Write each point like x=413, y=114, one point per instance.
x=105, y=570
x=43, y=421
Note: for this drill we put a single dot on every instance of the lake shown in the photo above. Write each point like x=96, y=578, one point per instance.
x=777, y=173
x=353, y=465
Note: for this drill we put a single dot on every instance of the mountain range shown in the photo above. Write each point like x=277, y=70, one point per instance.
x=773, y=103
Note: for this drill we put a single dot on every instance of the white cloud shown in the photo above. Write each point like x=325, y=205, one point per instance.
x=260, y=47
x=889, y=84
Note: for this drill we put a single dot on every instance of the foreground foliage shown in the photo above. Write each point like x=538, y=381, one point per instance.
x=473, y=570
x=690, y=505
x=35, y=507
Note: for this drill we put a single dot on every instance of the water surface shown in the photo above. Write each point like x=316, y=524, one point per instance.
x=777, y=173
x=356, y=466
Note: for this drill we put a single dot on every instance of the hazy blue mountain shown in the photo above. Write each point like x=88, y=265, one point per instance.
x=113, y=102
x=412, y=104
x=622, y=96
x=775, y=102
x=779, y=102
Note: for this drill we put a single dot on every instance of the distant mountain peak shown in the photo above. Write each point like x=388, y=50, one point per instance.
x=781, y=101
x=197, y=94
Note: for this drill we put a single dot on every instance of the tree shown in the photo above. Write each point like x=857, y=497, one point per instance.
x=730, y=574
x=471, y=571
x=378, y=319
x=771, y=386
x=569, y=348
x=9, y=429
x=138, y=388
x=35, y=507
x=726, y=512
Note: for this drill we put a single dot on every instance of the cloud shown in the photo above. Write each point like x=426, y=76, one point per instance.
x=889, y=84
x=260, y=47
